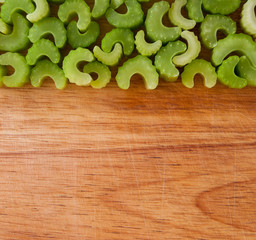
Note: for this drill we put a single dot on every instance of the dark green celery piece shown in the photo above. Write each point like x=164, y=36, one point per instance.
x=223, y=7
x=211, y=25
x=154, y=27
x=137, y=65
x=227, y=76
x=42, y=10
x=77, y=39
x=100, y=7
x=46, y=68
x=163, y=60
x=131, y=19
x=44, y=47
x=3, y=72
x=48, y=26
x=194, y=8
x=21, y=69
x=248, y=19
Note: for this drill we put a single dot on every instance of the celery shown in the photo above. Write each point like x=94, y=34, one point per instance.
x=223, y=7
x=4, y=27
x=3, y=72
x=100, y=7
x=248, y=19
x=194, y=8
x=42, y=10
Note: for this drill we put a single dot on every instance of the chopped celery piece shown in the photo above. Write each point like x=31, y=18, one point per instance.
x=112, y=58
x=44, y=47
x=145, y=48
x=100, y=7
x=248, y=19
x=42, y=10
x=234, y=43
x=194, y=8
x=3, y=72
x=137, y=65
x=70, y=66
x=47, y=26
x=116, y=3
x=227, y=76
x=177, y=18
x=202, y=67
x=193, y=50
x=103, y=72
x=163, y=60
x=21, y=69
x=210, y=26
x=223, y=7
x=4, y=27
x=154, y=27
x=46, y=68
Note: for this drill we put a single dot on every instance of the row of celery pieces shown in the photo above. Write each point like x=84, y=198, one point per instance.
x=26, y=25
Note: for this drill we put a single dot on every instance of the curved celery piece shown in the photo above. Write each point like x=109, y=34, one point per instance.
x=4, y=27
x=18, y=39
x=119, y=35
x=131, y=19
x=116, y=3
x=193, y=50
x=227, y=76
x=210, y=26
x=47, y=26
x=223, y=7
x=103, y=72
x=241, y=43
x=110, y=59
x=100, y=7
x=3, y=72
x=145, y=48
x=177, y=18
x=42, y=10
x=70, y=7
x=11, y=6
x=248, y=19
x=199, y=66
x=71, y=62
x=46, y=68
x=154, y=27
x=163, y=60
x=137, y=65
x=44, y=47
x=77, y=39
x=21, y=75
x=194, y=8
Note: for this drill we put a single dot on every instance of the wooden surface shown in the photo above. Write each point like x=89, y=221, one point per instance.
x=85, y=164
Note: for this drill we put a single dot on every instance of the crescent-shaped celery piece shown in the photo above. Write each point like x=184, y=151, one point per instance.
x=240, y=43
x=3, y=72
x=194, y=8
x=77, y=39
x=42, y=10
x=46, y=68
x=227, y=76
x=177, y=18
x=248, y=18
x=44, y=47
x=48, y=26
x=223, y=7
x=70, y=66
x=103, y=72
x=154, y=27
x=116, y=3
x=100, y=7
x=202, y=67
x=163, y=60
x=137, y=65
x=4, y=27
x=119, y=35
x=145, y=48
x=11, y=6
x=193, y=49
x=21, y=69
x=133, y=18
x=211, y=25
x=69, y=8
x=112, y=58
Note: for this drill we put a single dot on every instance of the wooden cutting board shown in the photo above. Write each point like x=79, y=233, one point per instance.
x=84, y=164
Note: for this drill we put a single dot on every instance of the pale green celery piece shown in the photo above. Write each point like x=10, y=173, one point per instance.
x=3, y=72
x=4, y=27
x=133, y=18
x=44, y=47
x=211, y=25
x=103, y=72
x=223, y=7
x=137, y=65
x=100, y=7
x=193, y=49
x=241, y=43
x=202, y=67
x=21, y=74
x=194, y=8
x=46, y=68
x=248, y=18
x=145, y=48
x=177, y=18
x=11, y=6
x=77, y=39
x=48, y=26
x=227, y=76
x=119, y=35
x=112, y=58
x=1, y=1
x=42, y=10
x=69, y=8
x=163, y=60
x=116, y=3
x=70, y=66
x=154, y=26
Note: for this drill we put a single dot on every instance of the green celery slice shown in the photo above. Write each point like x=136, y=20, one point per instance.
x=100, y=7
x=3, y=72
x=116, y=3
x=223, y=7
x=4, y=27
x=194, y=8
x=42, y=10
x=248, y=18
